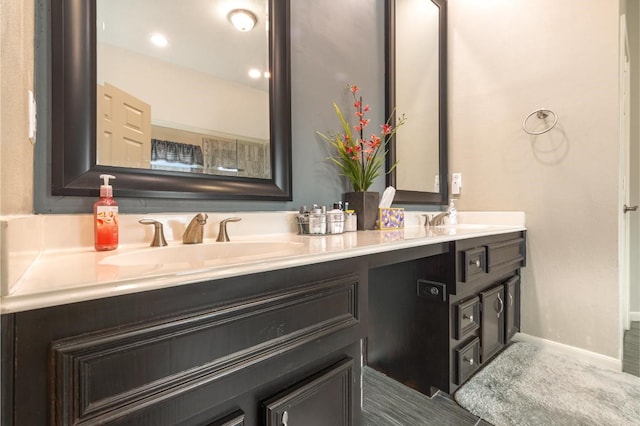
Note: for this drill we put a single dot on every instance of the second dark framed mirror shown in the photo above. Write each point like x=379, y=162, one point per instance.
x=416, y=85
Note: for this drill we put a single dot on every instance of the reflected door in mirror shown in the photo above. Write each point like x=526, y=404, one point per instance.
x=205, y=81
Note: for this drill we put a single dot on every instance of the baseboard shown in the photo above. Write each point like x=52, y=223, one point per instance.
x=594, y=358
x=634, y=316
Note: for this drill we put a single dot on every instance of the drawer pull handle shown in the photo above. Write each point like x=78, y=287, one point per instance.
x=469, y=317
x=477, y=263
x=285, y=418
x=468, y=360
x=510, y=299
x=501, y=306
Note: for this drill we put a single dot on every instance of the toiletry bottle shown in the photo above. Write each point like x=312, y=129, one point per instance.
x=318, y=220
x=453, y=213
x=105, y=218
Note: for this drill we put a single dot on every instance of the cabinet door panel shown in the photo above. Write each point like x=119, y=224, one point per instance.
x=322, y=400
x=512, y=307
x=492, y=329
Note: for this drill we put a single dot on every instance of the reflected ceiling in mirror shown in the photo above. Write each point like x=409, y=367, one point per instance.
x=179, y=88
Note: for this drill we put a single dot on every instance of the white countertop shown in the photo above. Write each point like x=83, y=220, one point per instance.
x=60, y=276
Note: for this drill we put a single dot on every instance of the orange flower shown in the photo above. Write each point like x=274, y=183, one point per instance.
x=360, y=159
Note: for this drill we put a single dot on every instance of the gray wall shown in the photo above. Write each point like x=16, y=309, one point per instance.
x=333, y=42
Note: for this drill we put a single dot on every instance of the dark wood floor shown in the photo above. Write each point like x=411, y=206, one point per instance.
x=631, y=357
x=389, y=403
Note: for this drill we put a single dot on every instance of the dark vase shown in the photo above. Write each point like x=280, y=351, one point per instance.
x=366, y=206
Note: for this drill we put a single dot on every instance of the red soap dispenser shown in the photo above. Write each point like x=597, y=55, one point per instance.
x=105, y=218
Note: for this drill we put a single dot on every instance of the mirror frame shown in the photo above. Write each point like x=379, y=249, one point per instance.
x=74, y=170
x=406, y=196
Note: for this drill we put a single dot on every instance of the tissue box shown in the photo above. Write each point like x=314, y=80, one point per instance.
x=390, y=218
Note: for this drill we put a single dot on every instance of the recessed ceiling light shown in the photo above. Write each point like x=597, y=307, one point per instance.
x=242, y=19
x=159, y=40
x=255, y=73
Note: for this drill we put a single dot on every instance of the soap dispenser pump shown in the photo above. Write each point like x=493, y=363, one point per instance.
x=453, y=212
x=105, y=218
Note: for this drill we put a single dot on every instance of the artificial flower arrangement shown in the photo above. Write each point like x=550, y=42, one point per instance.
x=360, y=159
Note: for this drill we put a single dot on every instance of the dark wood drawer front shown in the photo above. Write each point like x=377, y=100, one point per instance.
x=474, y=263
x=467, y=317
x=467, y=360
x=234, y=419
x=322, y=400
x=506, y=254
x=160, y=360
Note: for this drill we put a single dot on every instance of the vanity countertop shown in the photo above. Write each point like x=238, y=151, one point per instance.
x=63, y=276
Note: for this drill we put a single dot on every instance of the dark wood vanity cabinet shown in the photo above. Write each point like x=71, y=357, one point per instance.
x=238, y=351
x=433, y=322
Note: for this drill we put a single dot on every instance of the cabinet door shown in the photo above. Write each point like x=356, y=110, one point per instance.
x=322, y=400
x=492, y=328
x=512, y=307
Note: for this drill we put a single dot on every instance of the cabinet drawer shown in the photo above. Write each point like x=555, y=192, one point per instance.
x=474, y=263
x=505, y=254
x=467, y=358
x=467, y=317
x=234, y=419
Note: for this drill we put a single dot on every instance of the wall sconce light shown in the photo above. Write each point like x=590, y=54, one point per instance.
x=242, y=19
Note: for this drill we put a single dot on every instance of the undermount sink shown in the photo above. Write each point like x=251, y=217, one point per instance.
x=205, y=254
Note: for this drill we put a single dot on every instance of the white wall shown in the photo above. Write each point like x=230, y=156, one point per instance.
x=508, y=58
x=633, y=25
x=181, y=95
x=16, y=72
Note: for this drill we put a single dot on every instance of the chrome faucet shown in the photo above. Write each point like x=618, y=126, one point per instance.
x=158, y=235
x=437, y=220
x=195, y=230
x=222, y=233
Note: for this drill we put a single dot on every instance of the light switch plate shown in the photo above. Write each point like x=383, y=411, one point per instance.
x=456, y=183
x=32, y=117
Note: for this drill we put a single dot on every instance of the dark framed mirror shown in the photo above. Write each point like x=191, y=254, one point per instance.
x=75, y=170
x=416, y=85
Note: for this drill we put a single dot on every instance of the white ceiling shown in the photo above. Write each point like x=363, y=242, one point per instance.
x=200, y=35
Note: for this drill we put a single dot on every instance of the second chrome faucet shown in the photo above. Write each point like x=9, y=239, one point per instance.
x=195, y=230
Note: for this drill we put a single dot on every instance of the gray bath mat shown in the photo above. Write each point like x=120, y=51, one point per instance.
x=527, y=385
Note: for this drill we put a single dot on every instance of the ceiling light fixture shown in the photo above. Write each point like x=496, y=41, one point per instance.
x=159, y=40
x=255, y=73
x=242, y=19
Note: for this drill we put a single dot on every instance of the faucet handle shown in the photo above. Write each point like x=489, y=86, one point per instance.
x=222, y=233
x=158, y=235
